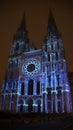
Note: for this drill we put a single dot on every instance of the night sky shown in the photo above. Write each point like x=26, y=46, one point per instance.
x=37, y=13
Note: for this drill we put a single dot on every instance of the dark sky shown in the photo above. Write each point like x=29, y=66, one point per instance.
x=37, y=13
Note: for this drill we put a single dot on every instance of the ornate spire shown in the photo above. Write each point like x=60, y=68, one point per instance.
x=23, y=23
x=52, y=28
x=32, y=47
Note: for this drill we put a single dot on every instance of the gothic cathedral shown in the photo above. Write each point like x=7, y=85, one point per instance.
x=36, y=80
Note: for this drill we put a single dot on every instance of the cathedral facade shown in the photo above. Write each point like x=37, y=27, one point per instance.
x=36, y=80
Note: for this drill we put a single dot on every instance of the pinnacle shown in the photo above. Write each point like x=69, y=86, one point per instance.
x=52, y=28
x=23, y=23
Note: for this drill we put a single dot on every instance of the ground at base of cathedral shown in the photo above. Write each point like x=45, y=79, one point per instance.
x=21, y=121
x=28, y=118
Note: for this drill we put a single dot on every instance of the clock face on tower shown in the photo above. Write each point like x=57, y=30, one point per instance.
x=31, y=67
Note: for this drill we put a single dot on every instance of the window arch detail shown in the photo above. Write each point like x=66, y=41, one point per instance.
x=38, y=87
x=30, y=87
x=22, y=89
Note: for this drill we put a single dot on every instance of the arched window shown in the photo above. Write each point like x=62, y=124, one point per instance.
x=59, y=94
x=22, y=89
x=58, y=79
x=49, y=94
x=16, y=48
x=56, y=56
x=9, y=84
x=38, y=87
x=12, y=103
x=49, y=57
x=30, y=87
x=49, y=81
x=52, y=47
x=13, y=86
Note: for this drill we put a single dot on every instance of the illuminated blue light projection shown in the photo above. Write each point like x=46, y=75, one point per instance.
x=36, y=80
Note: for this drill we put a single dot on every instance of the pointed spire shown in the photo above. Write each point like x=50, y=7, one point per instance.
x=52, y=28
x=32, y=47
x=23, y=23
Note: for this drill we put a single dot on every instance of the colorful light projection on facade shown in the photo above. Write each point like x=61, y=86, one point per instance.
x=36, y=80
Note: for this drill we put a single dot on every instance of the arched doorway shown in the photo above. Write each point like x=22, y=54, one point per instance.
x=21, y=107
x=39, y=106
x=59, y=106
x=30, y=105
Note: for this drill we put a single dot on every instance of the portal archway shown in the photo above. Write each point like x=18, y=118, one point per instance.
x=30, y=105
x=39, y=106
x=21, y=108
